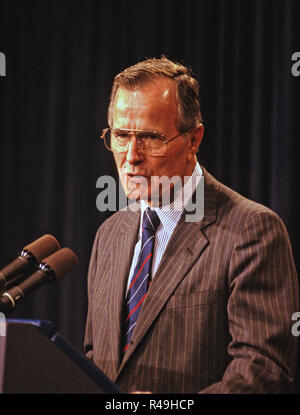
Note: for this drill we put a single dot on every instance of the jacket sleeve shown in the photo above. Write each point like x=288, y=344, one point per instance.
x=264, y=294
x=88, y=339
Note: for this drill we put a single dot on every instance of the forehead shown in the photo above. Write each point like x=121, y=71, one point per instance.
x=152, y=103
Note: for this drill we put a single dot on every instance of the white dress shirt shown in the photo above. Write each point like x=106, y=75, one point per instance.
x=169, y=217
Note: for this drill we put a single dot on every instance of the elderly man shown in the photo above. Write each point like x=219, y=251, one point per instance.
x=176, y=305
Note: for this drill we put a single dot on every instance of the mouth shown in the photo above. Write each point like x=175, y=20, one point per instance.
x=136, y=182
x=135, y=176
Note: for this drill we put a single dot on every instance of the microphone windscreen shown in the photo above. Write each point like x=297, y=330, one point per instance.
x=61, y=262
x=43, y=247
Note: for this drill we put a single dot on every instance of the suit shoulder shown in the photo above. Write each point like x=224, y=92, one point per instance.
x=125, y=217
x=232, y=205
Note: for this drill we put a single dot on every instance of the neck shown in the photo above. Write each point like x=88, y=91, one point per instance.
x=171, y=190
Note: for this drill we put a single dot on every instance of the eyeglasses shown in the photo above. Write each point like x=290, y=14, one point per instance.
x=149, y=142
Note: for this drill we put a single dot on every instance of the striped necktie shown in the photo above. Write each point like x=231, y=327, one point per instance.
x=142, y=274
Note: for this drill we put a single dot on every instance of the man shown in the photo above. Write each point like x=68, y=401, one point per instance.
x=179, y=305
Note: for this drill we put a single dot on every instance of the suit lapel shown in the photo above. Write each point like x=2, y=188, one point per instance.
x=122, y=253
x=184, y=248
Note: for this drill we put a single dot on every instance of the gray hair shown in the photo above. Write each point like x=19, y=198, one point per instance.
x=145, y=72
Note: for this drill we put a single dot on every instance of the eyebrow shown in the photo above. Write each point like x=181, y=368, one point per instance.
x=138, y=131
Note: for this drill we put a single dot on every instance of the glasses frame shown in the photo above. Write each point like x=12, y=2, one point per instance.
x=131, y=132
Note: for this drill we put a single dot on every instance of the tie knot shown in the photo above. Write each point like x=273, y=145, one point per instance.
x=150, y=221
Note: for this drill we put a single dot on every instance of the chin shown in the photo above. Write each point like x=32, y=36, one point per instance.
x=137, y=195
x=133, y=196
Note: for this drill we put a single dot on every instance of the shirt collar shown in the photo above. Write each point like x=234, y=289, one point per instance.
x=170, y=214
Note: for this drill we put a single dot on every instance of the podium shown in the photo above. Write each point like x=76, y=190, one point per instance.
x=35, y=358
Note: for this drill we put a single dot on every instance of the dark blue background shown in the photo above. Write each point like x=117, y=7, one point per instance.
x=61, y=60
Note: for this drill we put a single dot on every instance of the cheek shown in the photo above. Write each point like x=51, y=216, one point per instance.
x=119, y=160
x=174, y=165
x=165, y=166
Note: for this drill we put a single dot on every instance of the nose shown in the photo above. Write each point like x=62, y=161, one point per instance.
x=134, y=155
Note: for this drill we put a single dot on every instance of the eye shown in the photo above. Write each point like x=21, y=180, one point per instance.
x=121, y=136
x=149, y=135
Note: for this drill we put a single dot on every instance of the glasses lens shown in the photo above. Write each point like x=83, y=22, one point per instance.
x=118, y=141
x=149, y=142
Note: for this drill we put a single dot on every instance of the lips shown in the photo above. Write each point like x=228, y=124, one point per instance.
x=136, y=178
x=135, y=175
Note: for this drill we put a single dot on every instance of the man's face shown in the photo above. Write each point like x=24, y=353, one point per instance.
x=154, y=107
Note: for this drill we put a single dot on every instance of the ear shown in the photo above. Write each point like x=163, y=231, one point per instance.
x=196, y=136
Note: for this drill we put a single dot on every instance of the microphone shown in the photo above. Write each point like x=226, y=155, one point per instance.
x=51, y=268
x=29, y=258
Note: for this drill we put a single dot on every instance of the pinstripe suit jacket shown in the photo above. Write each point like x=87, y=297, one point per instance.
x=217, y=317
